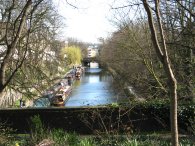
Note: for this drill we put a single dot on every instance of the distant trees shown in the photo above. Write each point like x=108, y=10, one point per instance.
x=82, y=45
x=71, y=55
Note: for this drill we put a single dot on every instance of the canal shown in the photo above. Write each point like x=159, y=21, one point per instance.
x=93, y=89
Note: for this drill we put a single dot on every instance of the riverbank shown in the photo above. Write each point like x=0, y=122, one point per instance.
x=62, y=84
x=58, y=94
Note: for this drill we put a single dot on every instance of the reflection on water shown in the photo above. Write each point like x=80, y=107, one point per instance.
x=93, y=89
x=94, y=79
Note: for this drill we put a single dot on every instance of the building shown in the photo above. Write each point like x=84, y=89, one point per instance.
x=92, y=51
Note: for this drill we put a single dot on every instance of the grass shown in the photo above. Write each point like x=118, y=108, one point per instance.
x=58, y=137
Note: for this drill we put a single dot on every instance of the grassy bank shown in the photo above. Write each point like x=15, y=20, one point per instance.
x=58, y=137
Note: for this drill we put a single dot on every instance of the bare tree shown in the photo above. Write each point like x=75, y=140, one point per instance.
x=27, y=38
x=16, y=19
x=130, y=53
x=164, y=58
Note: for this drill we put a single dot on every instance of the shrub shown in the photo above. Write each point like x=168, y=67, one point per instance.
x=6, y=137
x=37, y=130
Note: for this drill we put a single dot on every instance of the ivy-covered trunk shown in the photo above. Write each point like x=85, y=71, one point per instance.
x=188, y=61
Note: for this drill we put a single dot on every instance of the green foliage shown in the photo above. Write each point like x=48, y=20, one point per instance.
x=73, y=55
x=9, y=138
x=130, y=143
x=186, y=116
x=114, y=105
x=191, y=125
x=38, y=131
x=17, y=103
x=59, y=136
x=73, y=139
x=6, y=137
x=141, y=140
x=87, y=142
x=161, y=110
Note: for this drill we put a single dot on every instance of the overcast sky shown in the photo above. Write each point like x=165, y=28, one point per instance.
x=89, y=22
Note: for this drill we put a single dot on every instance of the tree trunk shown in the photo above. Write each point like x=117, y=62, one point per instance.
x=164, y=58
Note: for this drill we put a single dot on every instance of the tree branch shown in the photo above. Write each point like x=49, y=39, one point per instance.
x=71, y=5
x=191, y=13
x=153, y=31
x=12, y=46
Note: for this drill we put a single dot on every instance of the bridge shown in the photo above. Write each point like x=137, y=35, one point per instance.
x=87, y=60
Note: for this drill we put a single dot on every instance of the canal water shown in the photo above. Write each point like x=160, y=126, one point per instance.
x=93, y=89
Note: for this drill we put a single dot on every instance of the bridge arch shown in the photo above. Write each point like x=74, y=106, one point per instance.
x=87, y=60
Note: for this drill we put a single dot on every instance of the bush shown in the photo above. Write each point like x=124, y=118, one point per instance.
x=6, y=136
x=161, y=110
x=37, y=130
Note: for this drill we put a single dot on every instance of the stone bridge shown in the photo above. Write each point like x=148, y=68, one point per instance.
x=87, y=60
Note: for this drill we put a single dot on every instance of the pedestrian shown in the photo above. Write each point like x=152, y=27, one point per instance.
x=21, y=103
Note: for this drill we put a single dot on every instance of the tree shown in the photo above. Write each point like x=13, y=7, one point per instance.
x=71, y=55
x=129, y=52
x=42, y=62
x=164, y=58
x=171, y=24
x=16, y=20
x=82, y=45
x=28, y=32
x=178, y=26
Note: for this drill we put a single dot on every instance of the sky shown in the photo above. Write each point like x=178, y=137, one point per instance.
x=89, y=21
